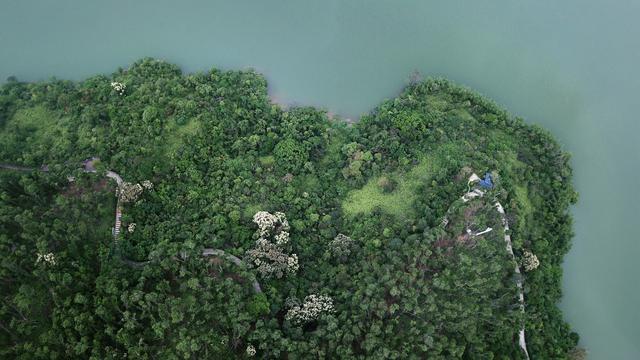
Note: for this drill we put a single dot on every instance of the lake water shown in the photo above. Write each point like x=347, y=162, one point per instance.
x=571, y=66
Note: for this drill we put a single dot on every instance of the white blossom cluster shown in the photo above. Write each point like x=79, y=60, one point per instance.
x=530, y=261
x=271, y=260
x=132, y=227
x=341, y=245
x=292, y=264
x=267, y=222
x=147, y=184
x=129, y=192
x=269, y=255
x=282, y=238
x=49, y=258
x=313, y=306
x=118, y=87
x=251, y=351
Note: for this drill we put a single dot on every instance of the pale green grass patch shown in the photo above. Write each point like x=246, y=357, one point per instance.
x=36, y=123
x=35, y=130
x=177, y=133
x=398, y=202
x=267, y=161
x=524, y=204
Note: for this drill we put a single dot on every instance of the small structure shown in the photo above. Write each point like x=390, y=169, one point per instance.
x=473, y=178
x=483, y=232
x=472, y=195
x=487, y=182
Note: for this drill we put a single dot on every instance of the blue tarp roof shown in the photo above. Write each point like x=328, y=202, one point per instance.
x=486, y=183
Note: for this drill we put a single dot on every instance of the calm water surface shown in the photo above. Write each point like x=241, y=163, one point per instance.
x=571, y=66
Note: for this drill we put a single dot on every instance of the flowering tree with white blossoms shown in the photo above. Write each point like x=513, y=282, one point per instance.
x=311, y=309
x=129, y=192
x=147, y=184
x=340, y=246
x=530, y=261
x=119, y=87
x=269, y=256
x=268, y=223
x=49, y=259
x=251, y=350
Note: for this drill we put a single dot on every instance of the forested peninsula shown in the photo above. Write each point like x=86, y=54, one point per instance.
x=152, y=214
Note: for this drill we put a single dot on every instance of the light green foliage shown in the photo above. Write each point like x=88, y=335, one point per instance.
x=259, y=305
x=35, y=125
x=438, y=101
x=250, y=210
x=267, y=161
x=358, y=160
x=410, y=123
x=524, y=204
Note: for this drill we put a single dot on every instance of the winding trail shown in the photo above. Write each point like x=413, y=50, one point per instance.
x=88, y=167
x=20, y=168
x=221, y=254
x=205, y=253
x=507, y=239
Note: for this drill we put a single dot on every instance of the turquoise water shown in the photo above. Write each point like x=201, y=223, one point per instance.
x=571, y=66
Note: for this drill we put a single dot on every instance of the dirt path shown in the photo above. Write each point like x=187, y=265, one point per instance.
x=221, y=254
x=88, y=167
x=507, y=239
x=205, y=253
x=18, y=168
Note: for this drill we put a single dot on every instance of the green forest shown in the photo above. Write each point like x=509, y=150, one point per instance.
x=246, y=229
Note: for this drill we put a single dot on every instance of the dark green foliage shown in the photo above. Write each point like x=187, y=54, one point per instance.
x=290, y=155
x=404, y=285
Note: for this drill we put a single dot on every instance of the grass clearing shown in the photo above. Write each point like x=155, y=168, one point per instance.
x=398, y=202
x=35, y=130
x=36, y=124
x=524, y=204
x=177, y=133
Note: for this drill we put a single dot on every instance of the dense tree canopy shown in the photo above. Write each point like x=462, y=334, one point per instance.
x=355, y=233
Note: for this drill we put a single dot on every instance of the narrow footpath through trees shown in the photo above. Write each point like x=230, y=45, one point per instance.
x=88, y=166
